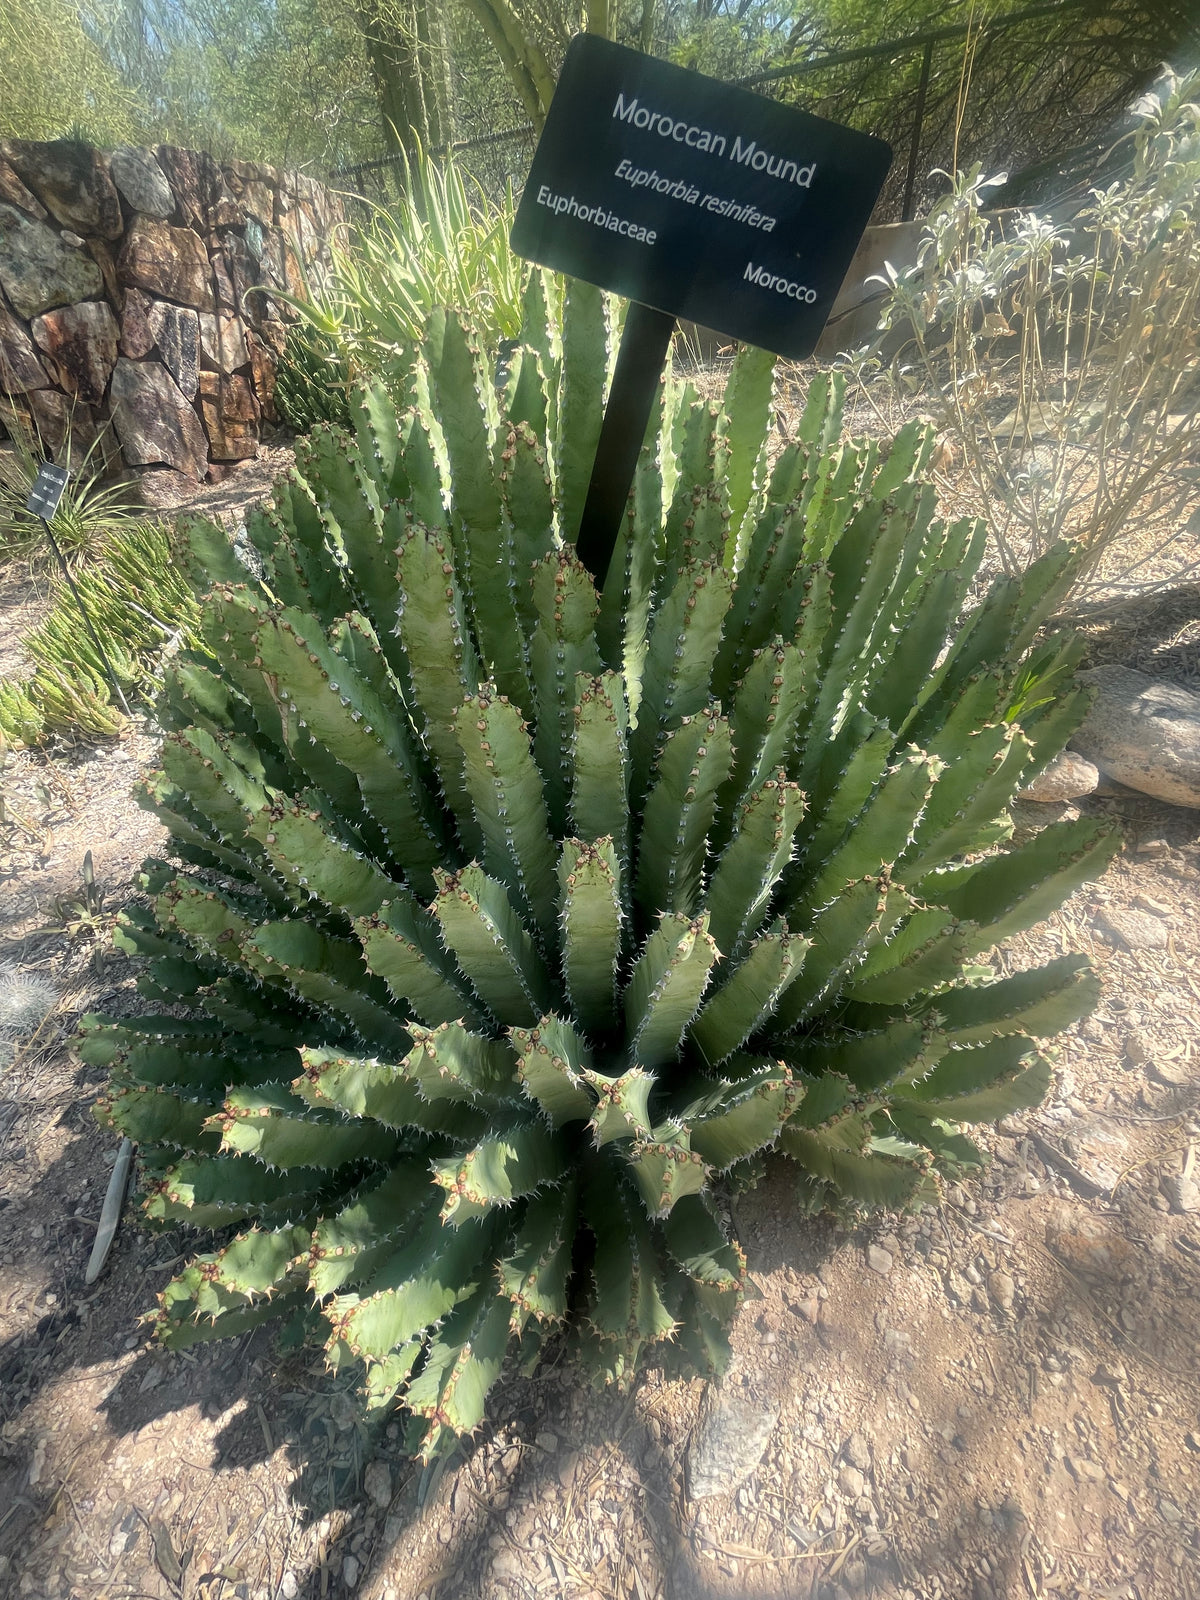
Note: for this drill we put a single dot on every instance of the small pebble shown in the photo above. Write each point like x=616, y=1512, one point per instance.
x=377, y=1481
x=858, y=1452
x=350, y=1571
x=1002, y=1289
x=1171, y=1074
x=879, y=1260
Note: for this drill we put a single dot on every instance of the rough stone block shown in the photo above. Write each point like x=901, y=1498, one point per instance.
x=171, y=263
x=81, y=342
x=263, y=364
x=38, y=269
x=194, y=178
x=176, y=332
x=66, y=428
x=142, y=181
x=223, y=342
x=1143, y=732
x=15, y=192
x=137, y=336
x=1067, y=777
x=20, y=369
x=230, y=414
x=72, y=181
x=155, y=424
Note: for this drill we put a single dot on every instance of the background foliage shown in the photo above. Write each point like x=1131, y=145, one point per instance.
x=335, y=83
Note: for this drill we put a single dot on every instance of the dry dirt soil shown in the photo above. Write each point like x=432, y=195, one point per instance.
x=995, y=1401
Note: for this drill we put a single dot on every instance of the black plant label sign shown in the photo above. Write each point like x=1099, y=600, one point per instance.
x=697, y=198
x=47, y=490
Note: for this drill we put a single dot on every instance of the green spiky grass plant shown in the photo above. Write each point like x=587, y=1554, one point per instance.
x=442, y=242
x=89, y=509
x=141, y=604
x=508, y=916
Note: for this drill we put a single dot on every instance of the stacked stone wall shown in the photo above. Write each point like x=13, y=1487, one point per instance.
x=136, y=302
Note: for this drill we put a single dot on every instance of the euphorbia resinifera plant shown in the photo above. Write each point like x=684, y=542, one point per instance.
x=508, y=917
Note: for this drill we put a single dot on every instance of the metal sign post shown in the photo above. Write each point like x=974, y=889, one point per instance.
x=43, y=501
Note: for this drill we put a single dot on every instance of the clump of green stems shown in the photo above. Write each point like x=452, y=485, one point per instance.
x=442, y=243
x=144, y=610
x=1060, y=355
x=89, y=509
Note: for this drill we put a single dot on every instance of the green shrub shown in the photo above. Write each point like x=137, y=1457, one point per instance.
x=141, y=604
x=89, y=509
x=313, y=379
x=442, y=243
x=1059, y=353
x=509, y=916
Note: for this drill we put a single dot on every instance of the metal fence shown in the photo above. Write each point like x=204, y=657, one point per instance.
x=358, y=178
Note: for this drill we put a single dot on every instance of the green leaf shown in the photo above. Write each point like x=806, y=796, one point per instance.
x=552, y=1066
x=510, y=1161
x=506, y=792
x=492, y=947
x=429, y=1274
x=679, y=664
x=401, y=945
x=753, y=864
x=747, y=1117
x=1007, y=893
x=380, y=1092
x=272, y=1124
x=591, y=921
x=678, y=814
x=746, y=999
x=1040, y=1002
x=535, y=1275
x=664, y=990
x=599, y=802
x=985, y=1082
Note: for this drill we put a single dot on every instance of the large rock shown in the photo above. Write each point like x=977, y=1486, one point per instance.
x=230, y=414
x=171, y=263
x=195, y=180
x=81, y=341
x=102, y=254
x=72, y=181
x=224, y=212
x=254, y=188
x=38, y=269
x=731, y=1437
x=263, y=363
x=177, y=334
x=1143, y=732
x=63, y=429
x=162, y=488
x=155, y=424
x=234, y=271
x=20, y=369
x=1067, y=777
x=142, y=181
x=15, y=192
x=278, y=265
x=223, y=341
x=137, y=336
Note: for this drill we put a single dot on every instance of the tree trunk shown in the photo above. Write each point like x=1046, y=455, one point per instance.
x=396, y=37
x=523, y=57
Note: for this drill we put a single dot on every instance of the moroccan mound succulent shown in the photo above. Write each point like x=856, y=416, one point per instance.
x=510, y=916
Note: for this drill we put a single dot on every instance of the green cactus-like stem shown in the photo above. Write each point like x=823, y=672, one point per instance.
x=505, y=918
